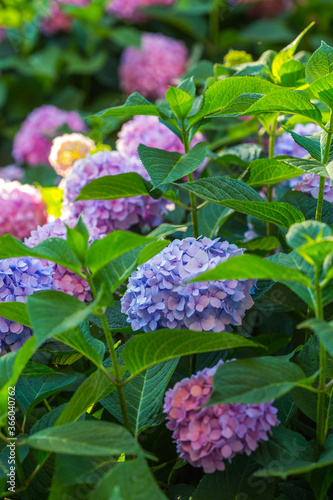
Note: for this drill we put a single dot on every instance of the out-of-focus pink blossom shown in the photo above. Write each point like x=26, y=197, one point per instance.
x=151, y=68
x=130, y=9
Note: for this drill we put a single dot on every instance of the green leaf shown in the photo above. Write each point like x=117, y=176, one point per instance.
x=323, y=89
x=35, y=370
x=15, y=311
x=84, y=343
x=117, y=321
x=54, y=312
x=252, y=267
x=179, y=101
x=242, y=154
x=113, y=187
x=292, y=74
x=323, y=330
x=135, y=104
x=309, y=166
x=78, y=238
x=144, y=396
x=309, y=142
x=316, y=252
x=132, y=480
x=151, y=250
x=164, y=167
x=320, y=63
x=112, y=246
x=148, y=349
x=266, y=379
x=308, y=205
x=286, y=101
x=85, y=439
x=300, y=234
x=188, y=86
x=265, y=172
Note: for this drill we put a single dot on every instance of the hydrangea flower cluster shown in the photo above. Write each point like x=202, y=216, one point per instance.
x=33, y=141
x=158, y=295
x=68, y=148
x=148, y=130
x=21, y=209
x=11, y=173
x=151, y=68
x=310, y=184
x=108, y=215
x=19, y=277
x=130, y=9
x=208, y=436
x=63, y=279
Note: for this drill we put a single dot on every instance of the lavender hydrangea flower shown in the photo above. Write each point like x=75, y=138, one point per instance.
x=21, y=209
x=158, y=296
x=151, y=68
x=108, y=215
x=130, y=9
x=19, y=277
x=208, y=436
x=310, y=184
x=32, y=143
x=11, y=173
x=63, y=279
x=68, y=148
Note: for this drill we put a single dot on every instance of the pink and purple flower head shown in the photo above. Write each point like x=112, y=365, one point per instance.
x=207, y=437
x=130, y=9
x=68, y=148
x=108, y=215
x=159, y=296
x=154, y=66
x=309, y=183
x=21, y=209
x=32, y=143
x=11, y=173
x=63, y=279
x=57, y=20
x=19, y=277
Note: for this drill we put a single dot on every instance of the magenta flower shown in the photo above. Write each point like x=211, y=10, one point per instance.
x=158, y=295
x=63, y=280
x=130, y=9
x=21, y=209
x=108, y=215
x=19, y=277
x=32, y=143
x=151, y=68
x=208, y=436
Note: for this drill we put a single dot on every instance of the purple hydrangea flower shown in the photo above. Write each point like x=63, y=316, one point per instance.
x=158, y=295
x=153, y=67
x=208, y=436
x=19, y=277
x=11, y=173
x=63, y=279
x=21, y=209
x=108, y=215
x=310, y=184
x=130, y=9
x=32, y=143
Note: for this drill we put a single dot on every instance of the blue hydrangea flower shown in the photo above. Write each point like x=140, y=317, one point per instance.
x=158, y=295
x=19, y=277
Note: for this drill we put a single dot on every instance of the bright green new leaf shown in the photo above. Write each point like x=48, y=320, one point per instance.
x=320, y=63
x=323, y=89
x=113, y=187
x=300, y=234
x=135, y=104
x=179, y=101
x=15, y=311
x=188, y=86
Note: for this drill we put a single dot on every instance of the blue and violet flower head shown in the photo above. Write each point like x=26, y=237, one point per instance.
x=108, y=215
x=208, y=436
x=158, y=295
x=19, y=277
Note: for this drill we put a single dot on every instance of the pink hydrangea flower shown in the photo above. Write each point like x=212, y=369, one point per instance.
x=151, y=68
x=108, y=215
x=208, y=436
x=33, y=141
x=68, y=148
x=11, y=173
x=57, y=20
x=21, y=209
x=130, y=9
x=63, y=279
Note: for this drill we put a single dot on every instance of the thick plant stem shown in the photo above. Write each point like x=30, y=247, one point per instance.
x=271, y=147
x=194, y=211
x=321, y=417
x=321, y=192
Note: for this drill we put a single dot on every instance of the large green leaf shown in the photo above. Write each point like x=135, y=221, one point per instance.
x=148, y=349
x=286, y=101
x=111, y=247
x=320, y=63
x=323, y=330
x=323, y=89
x=130, y=480
x=85, y=439
x=112, y=187
x=144, y=396
x=308, y=205
x=265, y=171
x=300, y=234
x=310, y=142
x=164, y=167
x=15, y=311
x=135, y=104
x=253, y=267
x=310, y=166
x=256, y=380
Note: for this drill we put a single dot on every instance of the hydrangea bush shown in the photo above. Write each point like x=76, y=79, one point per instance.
x=148, y=349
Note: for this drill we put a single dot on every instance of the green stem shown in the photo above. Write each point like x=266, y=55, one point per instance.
x=271, y=147
x=194, y=209
x=321, y=417
x=327, y=149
